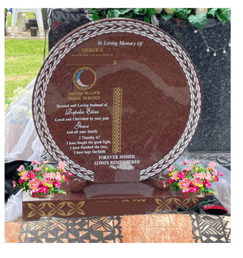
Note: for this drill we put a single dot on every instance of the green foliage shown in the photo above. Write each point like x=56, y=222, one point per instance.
x=166, y=16
x=222, y=15
x=198, y=20
x=182, y=13
x=97, y=14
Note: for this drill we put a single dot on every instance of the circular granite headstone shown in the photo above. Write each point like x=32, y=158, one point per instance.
x=118, y=100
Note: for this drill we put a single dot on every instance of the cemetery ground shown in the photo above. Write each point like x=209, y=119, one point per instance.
x=23, y=60
x=27, y=14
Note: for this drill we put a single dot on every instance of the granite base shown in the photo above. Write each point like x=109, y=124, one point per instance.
x=107, y=200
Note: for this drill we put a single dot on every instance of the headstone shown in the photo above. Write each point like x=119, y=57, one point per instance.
x=33, y=31
x=118, y=100
x=63, y=21
x=31, y=23
x=212, y=140
x=21, y=18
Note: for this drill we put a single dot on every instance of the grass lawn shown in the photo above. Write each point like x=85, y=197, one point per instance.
x=23, y=60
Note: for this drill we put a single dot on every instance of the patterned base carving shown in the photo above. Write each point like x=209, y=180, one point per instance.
x=74, y=230
x=74, y=205
x=211, y=229
x=171, y=203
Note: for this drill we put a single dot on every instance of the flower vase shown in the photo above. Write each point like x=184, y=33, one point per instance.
x=161, y=182
x=193, y=195
x=43, y=195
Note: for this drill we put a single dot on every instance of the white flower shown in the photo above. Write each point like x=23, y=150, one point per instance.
x=158, y=10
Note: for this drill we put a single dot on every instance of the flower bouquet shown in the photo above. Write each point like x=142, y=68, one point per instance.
x=194, y=179
x=42, y=180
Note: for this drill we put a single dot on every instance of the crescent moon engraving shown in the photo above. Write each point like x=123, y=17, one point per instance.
x=78, y=80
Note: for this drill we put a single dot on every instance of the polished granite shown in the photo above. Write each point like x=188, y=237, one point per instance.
x=118, y=106
x=107, y=200
x=213, y=134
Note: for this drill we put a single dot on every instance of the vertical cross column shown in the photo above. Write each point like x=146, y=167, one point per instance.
x=117, y=120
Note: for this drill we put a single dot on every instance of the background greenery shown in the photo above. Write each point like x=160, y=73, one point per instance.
x=195, y=18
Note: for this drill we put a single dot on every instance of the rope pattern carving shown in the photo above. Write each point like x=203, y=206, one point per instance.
x=106, y=27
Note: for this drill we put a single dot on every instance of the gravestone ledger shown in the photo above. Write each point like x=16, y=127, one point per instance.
x=118, y=100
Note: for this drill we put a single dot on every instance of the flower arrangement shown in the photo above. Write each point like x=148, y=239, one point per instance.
x=193, y=179
x=42, y=178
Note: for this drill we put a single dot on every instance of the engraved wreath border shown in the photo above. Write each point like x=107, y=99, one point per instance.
x=105, y=27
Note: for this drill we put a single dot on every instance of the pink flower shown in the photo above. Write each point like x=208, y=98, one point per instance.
x=45, y=162
x=186, y=162
x=175, y=177
x=34, y=189
x=46, y=175
x=185, y=189
x=216, y=178
x=58, y=176
x=194, y=189
x=196, y=162
x=14, y=184
x=21, y=181
x=211, y=169
x=212, y=164
x=20, y=168
x=69, y=173
x=35, y=162
x=62, y=164
x=207, y=184
x=183, y=176
x=45, y=189
x=32, y=176
x=37, y=169
x=187, y=169
x=61, y=169
x=52, y=175
x=219, y=173
x=164, y=184
x=201, y=175
x=65, y=178
x=208, y=176
x=171, y=181
x=41, y=189
x=171, y=168
x=24, y=177
x=57, y=184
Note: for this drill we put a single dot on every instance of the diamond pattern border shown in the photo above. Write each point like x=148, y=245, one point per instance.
x=211, y=228
x=73, y=230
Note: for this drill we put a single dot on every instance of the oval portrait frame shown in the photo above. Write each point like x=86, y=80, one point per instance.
x=106, y=26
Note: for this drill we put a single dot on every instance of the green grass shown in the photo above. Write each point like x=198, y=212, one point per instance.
x=23, y=60
x=28, y=16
